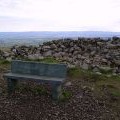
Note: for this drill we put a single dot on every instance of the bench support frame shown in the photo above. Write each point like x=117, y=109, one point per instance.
x=12, y=83
x=56, y=91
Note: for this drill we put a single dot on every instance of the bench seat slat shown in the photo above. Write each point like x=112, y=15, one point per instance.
x=33, y=77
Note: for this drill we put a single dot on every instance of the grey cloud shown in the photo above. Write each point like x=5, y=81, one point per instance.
x=10, y=3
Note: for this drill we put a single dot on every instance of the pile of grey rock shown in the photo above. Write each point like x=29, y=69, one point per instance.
x=87, y=53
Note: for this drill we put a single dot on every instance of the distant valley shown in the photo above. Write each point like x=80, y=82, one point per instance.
x=34, y=38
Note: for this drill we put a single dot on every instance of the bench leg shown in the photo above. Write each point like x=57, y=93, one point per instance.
x=11, y=85
x=56, y=91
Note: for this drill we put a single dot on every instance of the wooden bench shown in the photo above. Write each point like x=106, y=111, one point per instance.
x=40, y=72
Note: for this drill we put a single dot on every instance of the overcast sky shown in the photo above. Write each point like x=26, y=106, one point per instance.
x=60, y=15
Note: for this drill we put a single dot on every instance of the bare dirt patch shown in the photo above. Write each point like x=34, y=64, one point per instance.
x=84, y=104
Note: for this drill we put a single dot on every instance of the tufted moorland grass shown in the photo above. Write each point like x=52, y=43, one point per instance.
x=112, y=82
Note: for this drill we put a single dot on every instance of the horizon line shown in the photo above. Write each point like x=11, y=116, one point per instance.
x=59, y=31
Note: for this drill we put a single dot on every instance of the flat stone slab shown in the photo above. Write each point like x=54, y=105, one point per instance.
x=39, y=69
x=34, y=77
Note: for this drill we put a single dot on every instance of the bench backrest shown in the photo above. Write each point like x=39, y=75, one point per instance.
x=37, y=68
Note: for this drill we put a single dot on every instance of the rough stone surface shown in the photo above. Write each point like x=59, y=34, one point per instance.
x=84, y=52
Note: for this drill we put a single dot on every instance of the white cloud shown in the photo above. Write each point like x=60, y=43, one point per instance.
x=60, y=15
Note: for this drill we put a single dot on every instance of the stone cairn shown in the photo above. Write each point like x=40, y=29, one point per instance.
x=86, y=53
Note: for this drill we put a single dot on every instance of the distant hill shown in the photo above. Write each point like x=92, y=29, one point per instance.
x=10, y=38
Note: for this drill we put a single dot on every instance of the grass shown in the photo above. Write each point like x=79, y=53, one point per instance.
x=98, y=82
x=66, y=95
x=112, y=84
x=41, y=90
x=85, y=74
x=115, y=93
x=4, y=65
x=75, y=72
x=5, y=48
x=4, y=62
x=37, y=90
x=44, y=60
x=49, y=60
x=105, y=70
